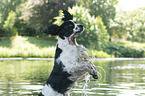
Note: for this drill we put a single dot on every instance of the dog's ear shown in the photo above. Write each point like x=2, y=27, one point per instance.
x=67, y=16
x=52, y=30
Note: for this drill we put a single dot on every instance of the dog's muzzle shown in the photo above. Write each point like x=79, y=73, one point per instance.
x=77, y=30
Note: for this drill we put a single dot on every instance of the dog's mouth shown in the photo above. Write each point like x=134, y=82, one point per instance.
x=72, y=38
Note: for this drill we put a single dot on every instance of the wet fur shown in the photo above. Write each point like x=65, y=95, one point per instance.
x=71, y=60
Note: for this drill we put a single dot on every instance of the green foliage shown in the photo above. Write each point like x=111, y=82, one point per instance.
x=41, y=12
x=24, y=29
x=120, y=49
x=10, y=15
x=101, y=54
x=34, y=47
x=7, y=6
x=103, y=8
x=95, y=34
x=26, y=47
x=44, y=48
x=131, y=28
x=9, y=24
x=2, y=32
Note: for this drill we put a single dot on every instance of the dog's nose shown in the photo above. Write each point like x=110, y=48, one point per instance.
x=81, y=27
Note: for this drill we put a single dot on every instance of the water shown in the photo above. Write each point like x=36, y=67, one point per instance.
x=26, y=78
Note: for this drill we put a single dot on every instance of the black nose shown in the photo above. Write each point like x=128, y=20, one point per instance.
x=81, y=27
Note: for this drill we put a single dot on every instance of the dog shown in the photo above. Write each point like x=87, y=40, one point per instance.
x=71, y=60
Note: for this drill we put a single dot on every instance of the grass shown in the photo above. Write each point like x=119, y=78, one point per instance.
x=134, y=44
x=26, y=47
x=126, y=49
x=33, y=47
x=45, y=48
x=101, y=54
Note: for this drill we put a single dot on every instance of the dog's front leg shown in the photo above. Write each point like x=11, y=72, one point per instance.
x=87, y=67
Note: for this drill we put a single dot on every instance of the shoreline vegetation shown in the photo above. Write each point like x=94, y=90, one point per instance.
x=117, y=59
x=33, y=47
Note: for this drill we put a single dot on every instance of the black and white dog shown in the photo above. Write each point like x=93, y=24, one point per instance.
x=71, y=61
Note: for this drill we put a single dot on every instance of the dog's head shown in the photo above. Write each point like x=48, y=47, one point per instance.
x=69, y=29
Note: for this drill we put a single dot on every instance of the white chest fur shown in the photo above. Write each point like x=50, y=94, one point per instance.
x=71, y=54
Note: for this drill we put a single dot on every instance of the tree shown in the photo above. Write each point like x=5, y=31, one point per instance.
x=118, y=26
x=139, y=24
x=9, y=24
x=42, y=14
x=103, y=8
x=8, y=16
x=8, y=5
x=130, y=24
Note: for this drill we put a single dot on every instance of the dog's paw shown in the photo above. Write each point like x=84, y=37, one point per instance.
x=94, y=74
x=93, y=71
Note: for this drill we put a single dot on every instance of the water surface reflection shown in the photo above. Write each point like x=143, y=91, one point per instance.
x=26, y=78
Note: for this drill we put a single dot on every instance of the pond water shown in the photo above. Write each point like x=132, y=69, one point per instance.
x=121, y=78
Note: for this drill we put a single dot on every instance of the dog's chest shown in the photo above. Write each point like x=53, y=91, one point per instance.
x=69, y=57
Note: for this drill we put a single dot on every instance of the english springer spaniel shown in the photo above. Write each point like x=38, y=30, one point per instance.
x=71, y=60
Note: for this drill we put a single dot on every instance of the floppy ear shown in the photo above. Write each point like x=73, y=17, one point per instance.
x=67, y=16
x=53, y=30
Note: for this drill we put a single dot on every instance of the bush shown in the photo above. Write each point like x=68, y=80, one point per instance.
x=2, y=32
x=26, y=47
x=95, y=34
x=101, y=54
x=9, y=24
x=24, y=29
x=124, y=50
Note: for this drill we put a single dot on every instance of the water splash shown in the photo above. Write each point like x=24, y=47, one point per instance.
x=87, y=79
x=100, y=73
x=87, y=56
x=92, y=58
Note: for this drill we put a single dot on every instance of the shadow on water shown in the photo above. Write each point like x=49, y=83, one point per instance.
x=122, y=78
